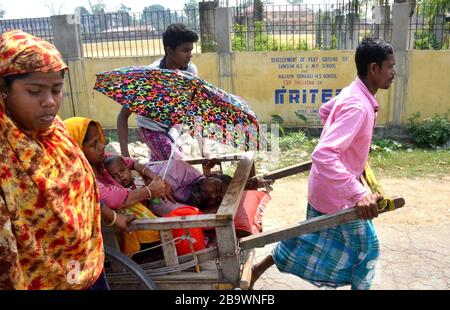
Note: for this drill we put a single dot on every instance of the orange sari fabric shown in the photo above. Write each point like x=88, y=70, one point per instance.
x=50, y=235
x=22, y=53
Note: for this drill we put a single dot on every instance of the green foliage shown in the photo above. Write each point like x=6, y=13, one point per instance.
x=429, y=11
x=301, y=117
x=387, y=146
x=296, y=140
x=209, y=46
x=302, y=45
x=431, y=132
x=333, y=41
x=426, y=40
x=262, y=41
x=192, y=14
x=278, y=120
x=239, y=39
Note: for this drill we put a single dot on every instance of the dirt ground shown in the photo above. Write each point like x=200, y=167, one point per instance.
x=415, y=247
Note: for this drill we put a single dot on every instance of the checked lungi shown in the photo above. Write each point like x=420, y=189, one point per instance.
x=332, y=257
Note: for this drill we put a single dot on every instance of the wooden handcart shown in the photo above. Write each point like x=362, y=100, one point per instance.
x=227, y=265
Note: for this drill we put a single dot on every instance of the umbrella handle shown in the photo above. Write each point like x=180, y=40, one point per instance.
x=172, y=152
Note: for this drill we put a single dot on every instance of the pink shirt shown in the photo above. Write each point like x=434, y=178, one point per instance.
x=111, y=192
x=341, y=154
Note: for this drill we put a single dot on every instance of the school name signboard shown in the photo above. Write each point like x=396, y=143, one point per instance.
x=293, y=84
x=307, y=82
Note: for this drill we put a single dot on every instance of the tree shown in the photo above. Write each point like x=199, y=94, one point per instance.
x=154, y=8
x=54, y=9
x=155, y=15
x=258, y=9
x=433, y=34
x=97, y=8
x=2, y=13
x=192, y=14
x=191, y=5
x=81, y=10
x=295, y=2
x=123, y=9
x=124, y=18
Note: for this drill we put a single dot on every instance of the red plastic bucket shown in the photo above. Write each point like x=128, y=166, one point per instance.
x=195, y=233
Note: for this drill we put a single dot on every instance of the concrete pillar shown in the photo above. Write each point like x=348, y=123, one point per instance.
x=66, y=35
x=340, y=32
x=352, y=33
x=382, y=19
x=439, y=28
x=207, y=33
x=223, y=29
x=318, y=31
x=327, y=31
x=400, y=25
x=224, y=48
x=250, y=22
x=401, y=13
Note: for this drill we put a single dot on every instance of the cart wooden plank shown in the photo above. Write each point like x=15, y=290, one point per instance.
x=308, y=226
x=230, y=202
x=204, y=220
x=288, y=171
x=169, y=249
x=226, y=235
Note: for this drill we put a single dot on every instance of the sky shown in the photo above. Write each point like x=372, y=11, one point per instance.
x=40, y=8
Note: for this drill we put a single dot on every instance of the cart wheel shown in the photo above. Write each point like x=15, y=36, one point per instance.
x=124, y=273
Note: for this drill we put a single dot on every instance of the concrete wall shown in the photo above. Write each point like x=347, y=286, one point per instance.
x=274, y=83
x=428, y=83
x=283, y=83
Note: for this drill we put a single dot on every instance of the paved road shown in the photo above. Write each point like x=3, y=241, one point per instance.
x=411, y=258
x=415, y=240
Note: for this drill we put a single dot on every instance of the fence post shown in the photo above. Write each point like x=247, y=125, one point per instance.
x=207, y=33
x=340, y=32
x=318, y=33
x=67, y=39
x=326, y=31
x=223, y=26
x=382, y=19
x=250, y=22
x=439, y=28
x=401, y=14
x=223, y=30
x=66, y=35
x=352, y=36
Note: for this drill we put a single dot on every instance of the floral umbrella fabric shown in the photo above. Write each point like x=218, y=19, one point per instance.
x=174, y=97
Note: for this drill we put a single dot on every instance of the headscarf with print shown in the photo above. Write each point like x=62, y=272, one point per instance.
x=50, y=235
x=130, y=242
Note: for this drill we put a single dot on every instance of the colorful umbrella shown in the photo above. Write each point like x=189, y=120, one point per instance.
x=174, y=97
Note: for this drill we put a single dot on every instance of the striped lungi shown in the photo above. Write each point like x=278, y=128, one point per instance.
x=342, y=255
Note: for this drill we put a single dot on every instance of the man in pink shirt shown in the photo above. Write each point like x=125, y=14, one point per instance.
x=346, y=254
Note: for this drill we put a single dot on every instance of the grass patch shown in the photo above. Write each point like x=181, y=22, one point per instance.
x=411, y=163
x=388, y=158
x=144, y=47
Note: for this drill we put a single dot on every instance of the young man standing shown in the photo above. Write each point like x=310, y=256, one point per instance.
x=178, y=41
x=346, y=254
